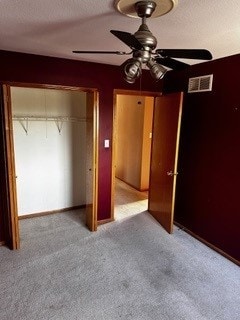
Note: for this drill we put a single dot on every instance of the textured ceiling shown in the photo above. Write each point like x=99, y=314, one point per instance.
x=56, y=27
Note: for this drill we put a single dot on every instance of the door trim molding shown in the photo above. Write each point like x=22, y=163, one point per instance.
x=47, y=86
x=12, y=216
x=114, y=133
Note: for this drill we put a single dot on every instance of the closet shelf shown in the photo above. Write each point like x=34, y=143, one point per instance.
x=50, y=118
x=59, y=120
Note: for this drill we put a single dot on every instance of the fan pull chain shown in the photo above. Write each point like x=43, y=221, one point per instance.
x=140, y=85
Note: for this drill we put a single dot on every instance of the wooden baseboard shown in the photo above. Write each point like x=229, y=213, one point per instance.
x=2, y=243
x=237, y=262
x=104, y=221
x=134, y=187
x=46, y=213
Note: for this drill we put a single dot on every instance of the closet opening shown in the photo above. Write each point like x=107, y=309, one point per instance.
x=53, y=143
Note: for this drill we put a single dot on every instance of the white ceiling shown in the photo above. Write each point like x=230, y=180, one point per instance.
x=56, y=27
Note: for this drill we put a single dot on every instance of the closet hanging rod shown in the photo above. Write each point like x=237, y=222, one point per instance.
x=50, y=118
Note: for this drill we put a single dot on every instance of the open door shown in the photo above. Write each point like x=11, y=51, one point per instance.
x=163, y=168
x=91, y=160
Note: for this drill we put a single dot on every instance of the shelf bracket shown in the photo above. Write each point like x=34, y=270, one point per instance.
x=24, y=124
x=59, y=125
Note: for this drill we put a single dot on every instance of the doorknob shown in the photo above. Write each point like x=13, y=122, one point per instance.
x=170, y=173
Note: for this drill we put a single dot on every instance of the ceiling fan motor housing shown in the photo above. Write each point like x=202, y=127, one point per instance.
x=144, y=10
x=145, y=37
x=142, y=55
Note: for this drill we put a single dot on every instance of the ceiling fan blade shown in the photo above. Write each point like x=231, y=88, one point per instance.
x=200, y=54
x=102, y=52
x=172, y=63
x=128, y=38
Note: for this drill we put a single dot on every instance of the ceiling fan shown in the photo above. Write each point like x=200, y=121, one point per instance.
x=143, y=43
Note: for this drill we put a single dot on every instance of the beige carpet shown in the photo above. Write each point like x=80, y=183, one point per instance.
x=129, y=269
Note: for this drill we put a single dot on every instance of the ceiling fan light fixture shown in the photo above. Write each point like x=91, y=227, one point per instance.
x=157, y=71
x=132, y=70
x=142, y=43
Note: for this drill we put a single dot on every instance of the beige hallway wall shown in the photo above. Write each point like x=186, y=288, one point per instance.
x=133, y=139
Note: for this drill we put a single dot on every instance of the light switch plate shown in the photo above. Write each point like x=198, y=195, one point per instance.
x=106, y=143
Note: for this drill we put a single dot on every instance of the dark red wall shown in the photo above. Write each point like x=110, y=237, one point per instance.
x=26, y=68
x=207, y=198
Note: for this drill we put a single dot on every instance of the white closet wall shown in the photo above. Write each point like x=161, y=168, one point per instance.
x=49, y=155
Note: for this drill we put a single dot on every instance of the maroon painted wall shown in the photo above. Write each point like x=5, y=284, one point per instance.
x=209, y=157
x=207, y=198
x=26, y=68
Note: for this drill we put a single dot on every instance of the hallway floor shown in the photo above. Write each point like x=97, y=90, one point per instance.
x=128, y=201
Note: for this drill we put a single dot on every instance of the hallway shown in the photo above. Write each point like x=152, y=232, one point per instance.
x=128, y=201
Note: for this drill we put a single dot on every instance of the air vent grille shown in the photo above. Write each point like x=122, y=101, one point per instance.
x=200, y=84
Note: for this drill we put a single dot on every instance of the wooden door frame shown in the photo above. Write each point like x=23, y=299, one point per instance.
x=114, y=133
x=11, y=226
x=92, y=222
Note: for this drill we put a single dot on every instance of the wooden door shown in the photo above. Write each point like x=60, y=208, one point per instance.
x=91, y=160
x=163, y=168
